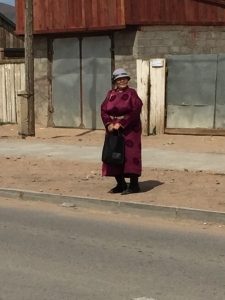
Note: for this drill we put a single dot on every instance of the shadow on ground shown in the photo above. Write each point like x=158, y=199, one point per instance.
x=149, y=185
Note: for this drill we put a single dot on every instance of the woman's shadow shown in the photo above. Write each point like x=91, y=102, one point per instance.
x=149, y=185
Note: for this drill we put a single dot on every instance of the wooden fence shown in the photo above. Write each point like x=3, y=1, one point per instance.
x=12, y=79
x=151, y=82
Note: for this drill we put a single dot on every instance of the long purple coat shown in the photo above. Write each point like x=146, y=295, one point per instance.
x=125, y=104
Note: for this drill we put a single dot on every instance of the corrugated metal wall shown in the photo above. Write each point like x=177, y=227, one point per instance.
x=73, y=15
x=179, y=12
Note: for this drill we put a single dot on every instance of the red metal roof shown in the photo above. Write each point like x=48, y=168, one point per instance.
x=52, y=16
x=73, y=15
x=179, y=12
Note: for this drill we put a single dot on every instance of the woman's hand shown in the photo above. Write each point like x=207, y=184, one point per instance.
x=111, y=127
x=117, y=126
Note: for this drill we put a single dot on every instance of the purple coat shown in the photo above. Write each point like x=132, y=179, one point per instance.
x=125, y=105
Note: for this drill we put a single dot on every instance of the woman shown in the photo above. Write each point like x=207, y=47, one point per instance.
x=121, y=111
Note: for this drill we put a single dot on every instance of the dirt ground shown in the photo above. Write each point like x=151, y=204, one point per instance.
x=198, y=190
x=206, y=144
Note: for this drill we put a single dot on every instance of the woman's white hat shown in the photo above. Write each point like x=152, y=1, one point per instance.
x=119, y=73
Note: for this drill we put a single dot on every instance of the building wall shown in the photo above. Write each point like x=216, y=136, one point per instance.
x=126, y=52
x=129, y=45
x=158, y=41
x=41, y=83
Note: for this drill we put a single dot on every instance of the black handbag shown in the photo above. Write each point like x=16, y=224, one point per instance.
x=113, y=152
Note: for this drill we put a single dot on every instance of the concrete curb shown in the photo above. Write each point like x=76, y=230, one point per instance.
x=122, y=206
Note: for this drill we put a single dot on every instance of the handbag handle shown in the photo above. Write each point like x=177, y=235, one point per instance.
x=117, y=132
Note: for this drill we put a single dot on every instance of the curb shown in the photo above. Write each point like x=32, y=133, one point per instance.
x=122, y=206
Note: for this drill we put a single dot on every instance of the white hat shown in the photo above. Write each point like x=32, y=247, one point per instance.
x=119, y=73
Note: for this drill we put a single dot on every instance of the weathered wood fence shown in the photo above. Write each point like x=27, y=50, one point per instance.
x=151, y=82
x=12, y=80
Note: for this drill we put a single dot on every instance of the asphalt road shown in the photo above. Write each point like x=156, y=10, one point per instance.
x=48, y=252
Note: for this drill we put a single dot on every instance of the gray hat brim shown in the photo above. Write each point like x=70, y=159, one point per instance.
x=114, y=78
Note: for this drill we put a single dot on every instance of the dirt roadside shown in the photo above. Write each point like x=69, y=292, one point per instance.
x=159, y=187
x=198, y=190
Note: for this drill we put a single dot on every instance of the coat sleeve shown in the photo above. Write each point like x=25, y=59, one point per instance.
x=134, y=114
x=105, y=116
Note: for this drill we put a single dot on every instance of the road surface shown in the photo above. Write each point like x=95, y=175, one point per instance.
x=48, y=252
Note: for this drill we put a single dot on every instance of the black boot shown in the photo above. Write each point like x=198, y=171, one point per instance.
x=134, y=185
x=120, y=187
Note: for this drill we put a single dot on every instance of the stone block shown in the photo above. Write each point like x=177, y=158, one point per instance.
x=144, y=42
x=174, y=50
x=162, y=50
x=202, y=28
x=149, y=34
x=156, y=42
x=185, y=50
x=220, y=43
x=211, y=43
x=200, y=50
x=202, y=35
x=200, y=43
x=169, y=42
x=119, y=58
x=180, y=42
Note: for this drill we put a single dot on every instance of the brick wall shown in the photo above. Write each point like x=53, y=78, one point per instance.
x=158, y=41
x=41, y=84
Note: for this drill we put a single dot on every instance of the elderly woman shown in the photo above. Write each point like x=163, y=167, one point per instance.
x=121, y=111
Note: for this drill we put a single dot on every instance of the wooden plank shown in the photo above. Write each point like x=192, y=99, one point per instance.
x=5, y=95
x=157, y=99
x=72, y=16
x=3, y=86
x=20, y=11
x=1, y=91
x=19, y=73
x=128, y=11
x=111, y=5
x=3, y=38
x=8, y=92
x=86, y=14
x=143, y=92
x=22, y=77
x=122, y=20
x=168, y=10
x=12, y=95
x=10, y=61
x=57, y=12
x=180, y=11
x=102, y=13
x=195, y=131
x=161, y=10
x=17, y=86
x=94, y=12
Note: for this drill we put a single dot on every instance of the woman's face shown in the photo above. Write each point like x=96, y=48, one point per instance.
x=122, y=83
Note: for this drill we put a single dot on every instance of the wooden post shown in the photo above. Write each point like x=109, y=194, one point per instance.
x=157, y=99
x=143, y=88
x=22, y=113
x=29, y=65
